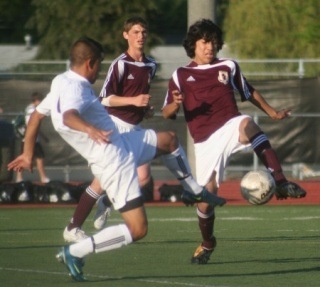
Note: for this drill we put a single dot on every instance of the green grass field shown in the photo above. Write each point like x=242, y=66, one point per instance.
x=257, y=246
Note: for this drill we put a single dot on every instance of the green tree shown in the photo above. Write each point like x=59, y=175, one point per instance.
x=273, y=29
x=13, y=16
x=60, y=22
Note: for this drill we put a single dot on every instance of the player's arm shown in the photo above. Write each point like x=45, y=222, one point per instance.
x=262, y=104
x=141, y=100
x=73, y=120
x=24, y=161
x=170, y=110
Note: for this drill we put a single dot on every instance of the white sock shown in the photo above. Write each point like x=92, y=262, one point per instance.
x=92, y=193
x=109, y=238
x=178, y=164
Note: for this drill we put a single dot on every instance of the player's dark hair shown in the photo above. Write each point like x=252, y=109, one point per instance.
x=202, y=29
x=135, y=20
x=36, y=97
x=83, y=49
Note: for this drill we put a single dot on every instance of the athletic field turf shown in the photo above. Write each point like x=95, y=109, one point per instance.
x=271, y=245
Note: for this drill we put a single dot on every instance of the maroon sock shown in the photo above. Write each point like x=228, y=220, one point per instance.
x=267, y=155
x=206, y=225
x=83, y=209
x=270, y=160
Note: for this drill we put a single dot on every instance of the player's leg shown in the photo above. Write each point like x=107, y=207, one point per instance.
x=39, y=156
x=206, y=218
x=145, y=181
x=19, y=176
x=176, y=161
x=211, y=159
x=73, y=232
x=110, y=238
x=41, y=170
x=251, y=132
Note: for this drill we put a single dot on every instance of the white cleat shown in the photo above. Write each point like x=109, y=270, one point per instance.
x=74, y=235
x=103, y=212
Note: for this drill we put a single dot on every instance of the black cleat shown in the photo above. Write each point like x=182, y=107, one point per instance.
x=204, y=196
x=289, y=189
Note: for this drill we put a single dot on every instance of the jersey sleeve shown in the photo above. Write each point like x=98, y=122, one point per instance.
x=44, y=107
x=172, y=86
x=111, y=83
x=241, y=85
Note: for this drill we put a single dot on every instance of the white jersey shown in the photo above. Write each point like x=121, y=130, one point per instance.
x=114, y=164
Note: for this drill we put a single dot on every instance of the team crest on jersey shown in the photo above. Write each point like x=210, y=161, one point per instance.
x=223, y=77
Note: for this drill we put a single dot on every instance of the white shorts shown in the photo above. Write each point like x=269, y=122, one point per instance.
x=214, y=153
x=115, y=164
x=124, y=127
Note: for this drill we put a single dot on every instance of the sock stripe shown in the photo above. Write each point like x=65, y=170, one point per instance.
x=93, y=243
x=205, y=215
x=110, y=242
x=182, y=165
x=92, y=193
x=259, y=140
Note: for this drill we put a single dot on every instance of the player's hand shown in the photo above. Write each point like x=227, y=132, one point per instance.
x=284, y=113
x=178, y=97
x=100, y=136
x=20, y=163
x=142, y=100
x=149, y=112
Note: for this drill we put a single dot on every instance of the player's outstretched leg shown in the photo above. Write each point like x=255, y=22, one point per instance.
x=176, y=161
x=289, y=189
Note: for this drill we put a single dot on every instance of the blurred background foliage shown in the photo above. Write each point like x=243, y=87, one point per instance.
x=252, y=28
x=273, y=29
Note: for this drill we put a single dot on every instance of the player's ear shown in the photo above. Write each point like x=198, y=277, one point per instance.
x=125, y=35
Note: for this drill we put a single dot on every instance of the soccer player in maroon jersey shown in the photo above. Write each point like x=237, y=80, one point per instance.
x=205, y=90
x=125, y=92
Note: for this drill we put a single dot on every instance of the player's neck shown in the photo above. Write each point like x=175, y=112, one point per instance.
x=136, y=54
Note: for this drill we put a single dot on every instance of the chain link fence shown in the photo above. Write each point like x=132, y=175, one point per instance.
x=294, y=82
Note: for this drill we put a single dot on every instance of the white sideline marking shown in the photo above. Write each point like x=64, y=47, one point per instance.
x=163, y=282
x=191, y=219
x=302, y=218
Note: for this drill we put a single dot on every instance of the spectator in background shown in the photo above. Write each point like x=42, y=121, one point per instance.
x=39, y=155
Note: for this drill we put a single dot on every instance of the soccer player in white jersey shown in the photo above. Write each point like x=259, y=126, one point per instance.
x=125, y=95
x=80, y=119
x=205, y=90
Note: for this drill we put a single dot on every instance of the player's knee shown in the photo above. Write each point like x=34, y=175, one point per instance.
x=139, y=232
x=174, y=141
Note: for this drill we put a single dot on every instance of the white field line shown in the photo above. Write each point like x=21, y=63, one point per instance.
x=162, y=282
x=235, y=218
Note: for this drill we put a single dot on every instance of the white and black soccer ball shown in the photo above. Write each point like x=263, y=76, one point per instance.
x=257, y=187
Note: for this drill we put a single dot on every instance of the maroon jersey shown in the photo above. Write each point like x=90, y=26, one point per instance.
x=209, y=95
x=128, y=78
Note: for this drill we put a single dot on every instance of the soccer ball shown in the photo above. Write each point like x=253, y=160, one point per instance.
x=257, y=187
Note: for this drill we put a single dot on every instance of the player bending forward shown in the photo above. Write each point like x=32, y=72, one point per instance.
x=80, y=119
x=205, y=90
